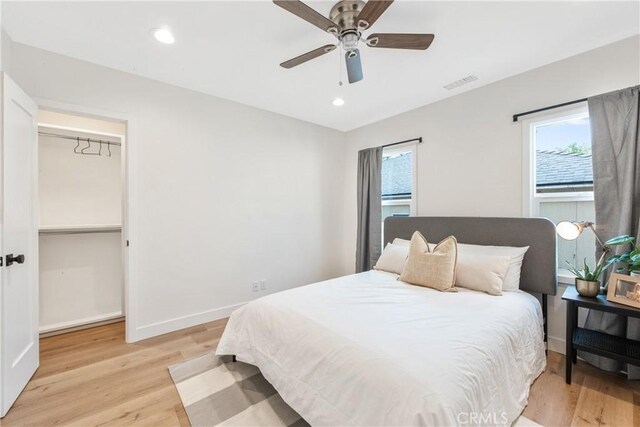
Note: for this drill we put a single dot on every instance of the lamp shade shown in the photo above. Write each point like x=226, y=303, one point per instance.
x=569, y=230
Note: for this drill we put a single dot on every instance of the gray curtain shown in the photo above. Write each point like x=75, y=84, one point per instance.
x=615, y=137
x=369, y=208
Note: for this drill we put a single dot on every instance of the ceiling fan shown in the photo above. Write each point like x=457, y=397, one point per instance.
x=347, y=20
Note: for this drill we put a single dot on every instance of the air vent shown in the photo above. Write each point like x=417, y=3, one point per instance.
x=462, y=81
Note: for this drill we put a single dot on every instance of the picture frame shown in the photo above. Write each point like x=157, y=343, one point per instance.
x=623, y=289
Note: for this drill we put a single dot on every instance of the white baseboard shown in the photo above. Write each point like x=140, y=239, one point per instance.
x=556, y=344
x=80, y=322
x=175, y=324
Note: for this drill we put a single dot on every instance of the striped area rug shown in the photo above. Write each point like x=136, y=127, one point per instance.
x=215, y=393
x=218, y=392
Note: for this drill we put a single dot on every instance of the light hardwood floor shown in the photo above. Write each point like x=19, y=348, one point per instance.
x=93, y=377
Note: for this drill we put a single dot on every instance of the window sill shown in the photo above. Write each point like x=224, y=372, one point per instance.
x=565, y=277
x=579, y=196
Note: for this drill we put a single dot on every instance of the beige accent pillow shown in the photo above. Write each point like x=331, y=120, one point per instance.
x=434, y=269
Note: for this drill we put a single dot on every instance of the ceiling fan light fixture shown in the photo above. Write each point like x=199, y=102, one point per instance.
x=338, y=102
x=163, y=35
x=354, y=66
x=350, y=41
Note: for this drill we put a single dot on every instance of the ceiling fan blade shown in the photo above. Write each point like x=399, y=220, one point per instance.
x=308, y=14
x=308, y=56
x=354, y=65
x=400, y=41
x=371, y=12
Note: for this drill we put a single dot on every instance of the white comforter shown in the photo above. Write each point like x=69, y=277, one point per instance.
x=367, y=349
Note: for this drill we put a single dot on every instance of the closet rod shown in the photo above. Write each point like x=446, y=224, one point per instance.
x=75, y=138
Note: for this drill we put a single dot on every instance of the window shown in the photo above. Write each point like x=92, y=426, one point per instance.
x=398, y=181
x=559, y=177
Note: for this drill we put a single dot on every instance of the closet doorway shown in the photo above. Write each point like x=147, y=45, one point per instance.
x=81, y=189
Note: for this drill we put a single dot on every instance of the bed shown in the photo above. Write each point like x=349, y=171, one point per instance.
x=366, y=349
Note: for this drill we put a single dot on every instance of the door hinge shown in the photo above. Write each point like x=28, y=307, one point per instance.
x=127, y=243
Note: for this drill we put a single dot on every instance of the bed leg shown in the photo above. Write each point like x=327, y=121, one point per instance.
x=233, y=358
x=544, y=322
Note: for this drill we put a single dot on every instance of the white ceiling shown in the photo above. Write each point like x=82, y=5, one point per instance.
x=232, y=49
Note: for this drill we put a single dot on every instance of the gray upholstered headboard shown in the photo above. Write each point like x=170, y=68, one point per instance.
x=538, y=273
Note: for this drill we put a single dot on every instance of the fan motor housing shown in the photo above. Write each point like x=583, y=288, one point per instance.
x=345, y=12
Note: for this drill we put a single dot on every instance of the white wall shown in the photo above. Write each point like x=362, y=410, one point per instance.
x=470, y=163
x=226, y=194
x=5, y=46
x=1, y=37
x=78, y=189
x=80, y=279
x=80, y=122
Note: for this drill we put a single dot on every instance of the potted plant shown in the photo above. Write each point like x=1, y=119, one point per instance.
x=588, y=280
x=630, y=259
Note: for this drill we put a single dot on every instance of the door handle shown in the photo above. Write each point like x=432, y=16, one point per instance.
x=10, y=259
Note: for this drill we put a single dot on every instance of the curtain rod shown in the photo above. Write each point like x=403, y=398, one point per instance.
x=419, y=139
x=75, y=138
x=526, y=113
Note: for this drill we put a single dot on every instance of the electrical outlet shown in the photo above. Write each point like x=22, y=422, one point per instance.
x=263, y=284
x=255, y=286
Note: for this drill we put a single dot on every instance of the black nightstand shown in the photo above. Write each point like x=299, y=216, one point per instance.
x=618, y=348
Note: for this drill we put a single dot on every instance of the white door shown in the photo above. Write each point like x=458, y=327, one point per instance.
x=19, y=347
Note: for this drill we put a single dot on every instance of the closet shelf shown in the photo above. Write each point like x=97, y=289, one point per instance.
x=80, y=229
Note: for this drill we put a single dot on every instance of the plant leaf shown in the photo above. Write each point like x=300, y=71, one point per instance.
x=623, y=258
x=614, y=259
x=574, y=270
x=620, y=240
x=586, y=268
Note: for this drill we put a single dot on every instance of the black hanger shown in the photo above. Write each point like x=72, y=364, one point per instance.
x=76, y=147
x=88, y=147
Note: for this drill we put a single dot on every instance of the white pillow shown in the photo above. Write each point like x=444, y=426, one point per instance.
x=392, y=259
x=516, y=255
x=484, y=273
x=511, y=280
x=402, y=242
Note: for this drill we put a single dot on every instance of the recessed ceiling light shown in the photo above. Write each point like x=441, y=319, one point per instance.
x=163, y=35
x=338, y=102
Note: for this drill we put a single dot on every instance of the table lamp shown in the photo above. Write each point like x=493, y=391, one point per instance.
x=571, y=230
